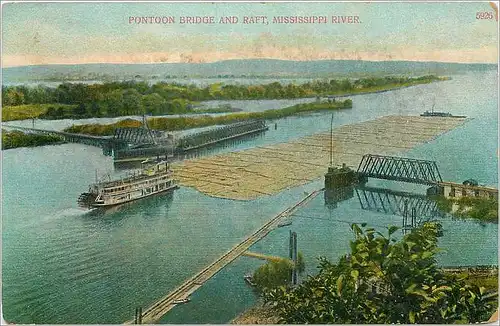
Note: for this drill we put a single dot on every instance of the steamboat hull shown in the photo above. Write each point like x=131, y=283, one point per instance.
x=104, y=205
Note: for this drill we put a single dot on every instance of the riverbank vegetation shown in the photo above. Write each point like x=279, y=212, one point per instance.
x=136, y=98
x=383, y=281
x=480, y=209
x=277, y=273
x=82, y=111
x=14, y=139
x=181, y=123
x=32, y=111
x=103, y=130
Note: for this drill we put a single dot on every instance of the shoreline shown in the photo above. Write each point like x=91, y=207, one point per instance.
x=216, y=110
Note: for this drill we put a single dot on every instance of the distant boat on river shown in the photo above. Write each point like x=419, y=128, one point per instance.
x=433, y=113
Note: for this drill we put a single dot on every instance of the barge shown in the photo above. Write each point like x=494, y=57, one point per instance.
x=153, y=179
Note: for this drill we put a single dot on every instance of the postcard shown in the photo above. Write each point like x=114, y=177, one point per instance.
x=249, y=162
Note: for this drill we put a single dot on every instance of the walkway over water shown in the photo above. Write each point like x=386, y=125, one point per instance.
x=154, y=313
x=267, y=170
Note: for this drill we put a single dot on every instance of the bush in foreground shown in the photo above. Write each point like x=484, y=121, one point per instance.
x=383, y=281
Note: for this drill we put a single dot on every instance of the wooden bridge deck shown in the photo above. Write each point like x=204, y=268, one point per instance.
x=154, y=313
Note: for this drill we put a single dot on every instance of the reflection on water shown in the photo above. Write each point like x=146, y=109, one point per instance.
x=395, y=202
x=336, y=195
x=414, y=209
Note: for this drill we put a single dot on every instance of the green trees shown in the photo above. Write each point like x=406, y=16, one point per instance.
x=13, y=139
x=383, y=281
x=277, y=273
x=273, y=274
x=481, y=209
x=181, y=123
x=127, y=96
x=153, y=103
x=130, y=97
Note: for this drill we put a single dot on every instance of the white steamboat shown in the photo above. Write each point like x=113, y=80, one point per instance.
x=151, y=180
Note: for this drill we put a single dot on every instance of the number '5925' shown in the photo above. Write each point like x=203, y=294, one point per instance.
x=484, y=15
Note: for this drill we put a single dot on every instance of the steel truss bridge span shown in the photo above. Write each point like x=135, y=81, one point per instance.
x=399, y=169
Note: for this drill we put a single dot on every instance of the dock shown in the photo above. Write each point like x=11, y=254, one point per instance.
x=157, y=310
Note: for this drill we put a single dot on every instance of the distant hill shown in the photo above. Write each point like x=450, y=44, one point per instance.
x=236, y=68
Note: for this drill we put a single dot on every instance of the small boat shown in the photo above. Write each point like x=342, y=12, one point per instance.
x=284, y=223
x=180, y=301
x=151, y=180
x=441, y=114
x=433, y=113
x=249, y=280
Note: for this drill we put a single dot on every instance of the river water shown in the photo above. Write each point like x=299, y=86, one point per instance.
x=65, y=265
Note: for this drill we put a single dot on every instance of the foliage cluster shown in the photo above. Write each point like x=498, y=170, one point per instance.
x=181, y=123
x=103, y=130
x=14, y=139
x=481, y=209
x=29, y=111
x=277, y=273
x=488, y=281
x=383, y=281
x=134, y=97
x=273, y=274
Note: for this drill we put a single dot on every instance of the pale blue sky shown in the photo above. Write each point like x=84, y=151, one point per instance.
x=36, y=33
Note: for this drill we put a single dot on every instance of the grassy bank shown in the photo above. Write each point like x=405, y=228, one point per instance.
x=66, y=111
x=181, y=123
x=14, y=139
x=103, y=130
x=29, y=111
x=481, y=209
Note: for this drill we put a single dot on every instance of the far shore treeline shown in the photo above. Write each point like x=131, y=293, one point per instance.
x=112, y=99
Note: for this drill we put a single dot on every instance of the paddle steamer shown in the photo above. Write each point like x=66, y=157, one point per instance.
x=152, y=179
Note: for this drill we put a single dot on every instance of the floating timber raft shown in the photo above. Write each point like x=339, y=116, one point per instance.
x=267, y=170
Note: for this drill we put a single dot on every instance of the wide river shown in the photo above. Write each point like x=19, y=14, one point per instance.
x=64, y=265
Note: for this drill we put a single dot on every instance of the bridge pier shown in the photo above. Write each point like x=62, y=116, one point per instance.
x=342, y=177
x=458, y=190
x=293, y=256
x=138, y=315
